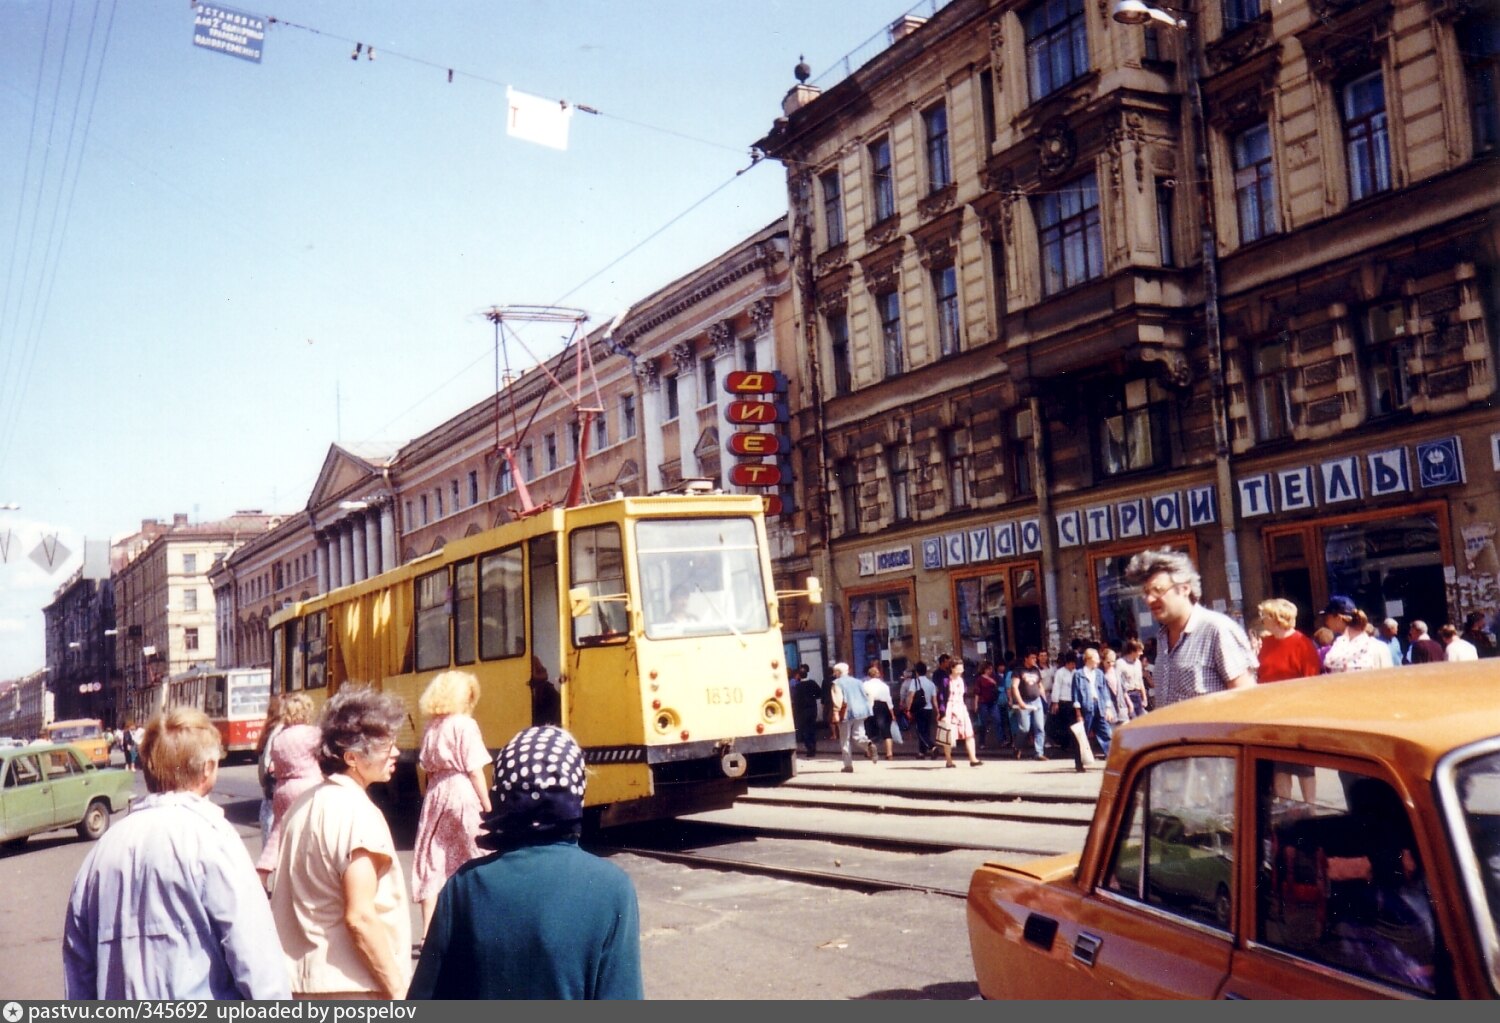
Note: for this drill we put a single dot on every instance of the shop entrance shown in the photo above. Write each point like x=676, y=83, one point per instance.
x=999, y=612
x=1389, y=563
x=882, y=631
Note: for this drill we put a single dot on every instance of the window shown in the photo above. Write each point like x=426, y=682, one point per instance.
x=987, y=107
x=1175, y=848
x=453, y=489
x=1366, y=139
x=549, y=444
x=838, y=336
x=1468, y=794
x=846, y=478
x=1271, y=390
x=473, y=487
x=1150, y=43
x=1238, y=13
x=997, y=276
x=1339, y=878
x=1164, y=219
x=438, y=493
x=1057, y=46
x=1254, y=183
x=935, y=127
x=190, y=599
x=506, y=481
x=575, y=434
x=190, y=639
x=432, y=620
x=748, y=359
x=190, y=564
x=502, y=608
x=898, y=470
x=528, y=463
x=627, y=415
x=945, y=296
x=700, y=577
x=1072, y=242
x=833, y=208
x=1022, y=444
x=601, y=432
x=883, y=631
x=882, y=181
x=669, y=385
x=709, y=379
x=597, y=564
x=1132, y=427
x=956, y=454
x=1388, y=347
x=425, y=517
x=1479, y=45
x=463, y=613
x=889, y=306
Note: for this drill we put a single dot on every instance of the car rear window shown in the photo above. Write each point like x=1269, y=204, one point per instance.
x=1471, y=793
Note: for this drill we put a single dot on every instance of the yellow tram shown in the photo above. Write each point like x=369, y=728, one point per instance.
x=646, y=626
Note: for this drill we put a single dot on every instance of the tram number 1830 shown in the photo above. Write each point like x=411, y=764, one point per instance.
x=725, y=694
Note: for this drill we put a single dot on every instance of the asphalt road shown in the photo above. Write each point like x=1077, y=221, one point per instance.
x=705, y=934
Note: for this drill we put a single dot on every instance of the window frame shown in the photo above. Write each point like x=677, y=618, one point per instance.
x=1059, y=232
x=432, y=607
x=1385, y=360
x=848, y=493
x=1160, y=432
x=673, y=410
x=892, y=343
x=838, y=344
x=830, y=184
x=627, y=416
x=898, y=472
x=1254, y=178
x=1043, y=38
x=882, y=179
x=945, y=304
x=1367, y=133
x=935, y=137
x=1281, y=378
x=484, y=597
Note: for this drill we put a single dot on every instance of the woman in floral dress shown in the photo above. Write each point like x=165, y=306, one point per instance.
x=960, y=725
x=294, y=765
x=454, y=757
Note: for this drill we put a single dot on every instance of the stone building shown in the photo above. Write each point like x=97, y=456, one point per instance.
x=80, y=636
x=1021, y=373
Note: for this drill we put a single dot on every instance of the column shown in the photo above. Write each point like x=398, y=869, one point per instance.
x=388, y=536
x=320, y=562
x=723, y=366
x=651, y=428
x=687, y=407
x=346, y=554
x=372, y=544
x=358, y=539
x=335, y=563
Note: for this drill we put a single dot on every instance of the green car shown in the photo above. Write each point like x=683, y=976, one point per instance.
x=45, y=787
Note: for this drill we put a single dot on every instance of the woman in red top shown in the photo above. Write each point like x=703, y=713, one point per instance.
x=1285, y=653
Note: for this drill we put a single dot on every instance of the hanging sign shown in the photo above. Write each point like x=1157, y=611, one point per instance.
x=754, y=382
x=754, y=445
x=767, y=408
x=757, y=413
x=229, y=31
x=756, y=474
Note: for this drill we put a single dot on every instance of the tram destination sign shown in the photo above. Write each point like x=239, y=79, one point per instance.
x=227, y=30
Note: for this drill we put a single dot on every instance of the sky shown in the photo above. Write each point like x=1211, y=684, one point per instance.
x=215, y=268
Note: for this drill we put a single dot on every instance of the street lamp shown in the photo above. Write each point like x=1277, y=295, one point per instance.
x=1136, y=12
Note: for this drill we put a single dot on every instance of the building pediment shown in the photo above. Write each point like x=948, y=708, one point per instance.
x=345, y=474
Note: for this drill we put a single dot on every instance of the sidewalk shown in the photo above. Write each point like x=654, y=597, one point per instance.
x=999, y=776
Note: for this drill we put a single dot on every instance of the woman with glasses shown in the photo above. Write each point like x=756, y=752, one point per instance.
x=340, y=899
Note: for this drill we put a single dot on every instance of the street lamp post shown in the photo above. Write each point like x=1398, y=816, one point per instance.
x=1136, y=12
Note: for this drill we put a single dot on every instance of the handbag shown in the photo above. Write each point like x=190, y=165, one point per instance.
x=1081, y=736
x=944, y=733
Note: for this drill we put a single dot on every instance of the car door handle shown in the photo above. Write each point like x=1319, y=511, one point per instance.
x=1086, y=948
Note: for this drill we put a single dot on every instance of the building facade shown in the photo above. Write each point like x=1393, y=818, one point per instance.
x=80, y=640
x=1022, y=375
x=25, y=706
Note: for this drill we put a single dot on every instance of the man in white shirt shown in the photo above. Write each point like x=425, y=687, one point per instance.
x=1457, y=648
x=1060, y=701
x=919, y=699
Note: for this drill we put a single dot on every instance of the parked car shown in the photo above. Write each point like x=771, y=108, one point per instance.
x=86, y=734
x=48, y=786
x=1335, y=837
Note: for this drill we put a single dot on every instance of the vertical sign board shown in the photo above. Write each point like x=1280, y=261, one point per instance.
x=229, y=31
x=760, y=400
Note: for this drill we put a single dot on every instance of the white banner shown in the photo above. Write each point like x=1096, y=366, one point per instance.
x=543, y=121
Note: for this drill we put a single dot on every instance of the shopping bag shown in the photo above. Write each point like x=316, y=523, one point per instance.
x=1081, y=737
x=944, y=733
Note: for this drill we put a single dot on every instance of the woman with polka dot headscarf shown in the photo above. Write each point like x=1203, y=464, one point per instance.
x=537, y=891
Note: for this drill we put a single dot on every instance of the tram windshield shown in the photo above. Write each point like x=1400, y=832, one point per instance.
x=700, y=577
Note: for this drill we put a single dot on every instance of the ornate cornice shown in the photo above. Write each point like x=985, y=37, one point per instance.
x=1056, y=148
x=682, y=356
x=882, y=268
x=762, y=314
x=1245, y=92
x=938, y=202
x=1347, y=36
x=648, y=375
x=721, y=337
x=1234, y=48
x=883, y=231
x=830, y=259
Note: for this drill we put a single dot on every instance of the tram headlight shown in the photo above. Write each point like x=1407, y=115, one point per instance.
x=772, y=711
x=665, y=721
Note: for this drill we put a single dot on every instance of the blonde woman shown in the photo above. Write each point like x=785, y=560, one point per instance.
x=294, y=765
x=453, y=756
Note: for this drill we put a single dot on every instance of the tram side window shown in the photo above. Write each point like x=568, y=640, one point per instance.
x=317, y=650
x=295, y=678
x=432, y=620
x=597, y=563
x=463, y=613
x=502, y=605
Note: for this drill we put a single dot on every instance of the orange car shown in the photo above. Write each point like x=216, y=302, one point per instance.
x=1335, y=837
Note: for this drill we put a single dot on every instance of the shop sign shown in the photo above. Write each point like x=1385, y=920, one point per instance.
x=1203, y=506
x=1340, y=480
x=1069, y=528
x=1388, y=472
x=766, y=407
x=979, y=544
x=1098, y=527
x=756, y=474
x=932, y=552
x=954, y=550
x=757, y=413
x=1166, y=512
x=1031, y=536
x=1004, y=540
x=743, y=381
x=1295, y=488
x=1132, y=516
x=1440, y=463
x=1255, y=496
x=892, y=559
x=756, y=445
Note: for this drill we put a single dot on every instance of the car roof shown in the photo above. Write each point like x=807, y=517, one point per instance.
x=39, y=747
x=1419, y=711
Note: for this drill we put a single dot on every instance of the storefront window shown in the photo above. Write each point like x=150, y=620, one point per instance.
x=999, y=613
x=881, y=627
x=1123, y=613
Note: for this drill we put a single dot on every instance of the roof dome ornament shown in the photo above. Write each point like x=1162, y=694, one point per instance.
x=802, y=72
